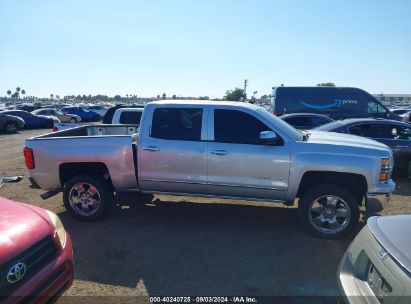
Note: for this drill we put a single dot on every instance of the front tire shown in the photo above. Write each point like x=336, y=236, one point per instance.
x=11, y=127
x=88, y=198
x=48, y=124
x=328, y=211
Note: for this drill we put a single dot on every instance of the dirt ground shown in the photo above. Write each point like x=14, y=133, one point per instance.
x=180, y=248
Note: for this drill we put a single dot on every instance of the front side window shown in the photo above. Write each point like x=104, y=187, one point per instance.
x=177, y=123
x=376, y=109
x=231, y=126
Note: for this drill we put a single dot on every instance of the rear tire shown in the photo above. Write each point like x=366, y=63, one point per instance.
x=88, y=198
x=11, y=127
x=328, y=211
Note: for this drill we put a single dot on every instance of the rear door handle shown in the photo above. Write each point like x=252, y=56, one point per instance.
x=151, y=149
x=219, y=152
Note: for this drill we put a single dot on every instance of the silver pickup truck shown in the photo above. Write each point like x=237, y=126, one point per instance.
x=215, y=149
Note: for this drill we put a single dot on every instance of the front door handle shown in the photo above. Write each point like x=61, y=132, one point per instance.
x=151, y=149
x=219, y=152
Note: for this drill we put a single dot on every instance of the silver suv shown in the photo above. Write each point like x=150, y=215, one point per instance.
x=377, y=265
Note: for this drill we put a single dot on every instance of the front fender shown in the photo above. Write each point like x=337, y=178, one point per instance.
x=303, y=162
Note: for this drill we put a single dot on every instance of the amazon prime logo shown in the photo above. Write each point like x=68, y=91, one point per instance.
x=16, y=273
x=337, y=103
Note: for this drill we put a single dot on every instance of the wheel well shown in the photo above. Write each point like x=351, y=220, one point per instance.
x=69, y=170
x=355, y=183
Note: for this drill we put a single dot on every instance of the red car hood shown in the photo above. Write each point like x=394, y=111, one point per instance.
x=20, y=228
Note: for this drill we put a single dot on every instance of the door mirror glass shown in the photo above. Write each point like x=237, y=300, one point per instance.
x=269, y=138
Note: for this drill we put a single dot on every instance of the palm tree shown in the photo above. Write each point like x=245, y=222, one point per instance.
x=51, y=96
x=9, y=93
x=23, y=92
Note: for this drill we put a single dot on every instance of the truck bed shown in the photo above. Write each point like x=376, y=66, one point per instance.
x=113, y=146
x=94, y=130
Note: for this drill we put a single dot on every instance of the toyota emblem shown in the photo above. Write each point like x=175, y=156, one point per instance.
x=16, y=273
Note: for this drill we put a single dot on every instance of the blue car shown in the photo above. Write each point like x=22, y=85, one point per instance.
x=33, y=121
x=86, y=115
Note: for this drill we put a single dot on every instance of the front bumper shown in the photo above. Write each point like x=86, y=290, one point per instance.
x=50, y=282
x=345, y=279
x=376, y=202
x=378, y=199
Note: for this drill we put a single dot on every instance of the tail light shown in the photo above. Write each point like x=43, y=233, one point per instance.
x=55, y=129
x=29, y=158
x=276, y=113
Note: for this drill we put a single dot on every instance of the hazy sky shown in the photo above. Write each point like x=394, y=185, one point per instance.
x=202, y=47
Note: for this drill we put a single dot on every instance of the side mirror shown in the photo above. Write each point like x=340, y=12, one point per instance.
x=269, y=138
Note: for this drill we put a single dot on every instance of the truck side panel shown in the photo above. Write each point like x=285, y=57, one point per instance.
x=115, y=152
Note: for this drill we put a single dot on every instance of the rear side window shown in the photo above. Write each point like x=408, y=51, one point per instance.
x=319, y=121
x=231, y=126
x=177, y=123
x=299, y=121
x=132, y=118
x=366, y=130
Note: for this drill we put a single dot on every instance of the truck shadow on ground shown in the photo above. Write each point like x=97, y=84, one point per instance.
x=184, y=248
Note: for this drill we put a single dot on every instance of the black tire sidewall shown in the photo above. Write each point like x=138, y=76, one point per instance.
x=328, y=189
x=103, y=187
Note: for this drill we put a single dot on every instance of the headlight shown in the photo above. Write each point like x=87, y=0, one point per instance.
x=385, y=170
x=58, y=227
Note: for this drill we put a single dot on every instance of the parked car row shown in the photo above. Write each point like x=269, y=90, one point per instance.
x=30, y=120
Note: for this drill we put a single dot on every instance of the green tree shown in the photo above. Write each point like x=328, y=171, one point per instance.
x=326, y=84
x=15, y=95
x=174, y=96
x=9, y=93
x=164, y=96
x=158, y=96
x=234, y=95
x=117, y=98
x=204, y=98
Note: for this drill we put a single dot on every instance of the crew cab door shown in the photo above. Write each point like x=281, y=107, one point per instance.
x=239, y=164
x=172, y=150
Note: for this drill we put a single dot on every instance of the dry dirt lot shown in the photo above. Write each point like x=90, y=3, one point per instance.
x=181, y=248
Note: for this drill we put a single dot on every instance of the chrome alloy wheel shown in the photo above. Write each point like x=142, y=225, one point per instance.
x=329, y=214
x=84, y=199
x=11, y=128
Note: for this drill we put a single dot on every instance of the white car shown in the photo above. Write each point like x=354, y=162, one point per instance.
x=403, y=112
x=127, y=116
